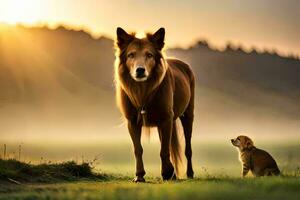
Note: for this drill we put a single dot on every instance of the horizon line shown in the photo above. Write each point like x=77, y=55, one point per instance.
x=197, y=42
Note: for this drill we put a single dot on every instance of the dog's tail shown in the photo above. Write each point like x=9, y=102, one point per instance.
x=177, y=150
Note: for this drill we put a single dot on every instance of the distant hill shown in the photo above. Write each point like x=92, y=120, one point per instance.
x=40, y=65
x=38, y=59
x=264, y=79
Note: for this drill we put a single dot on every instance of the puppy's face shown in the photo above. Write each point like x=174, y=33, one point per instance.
x=242, y=142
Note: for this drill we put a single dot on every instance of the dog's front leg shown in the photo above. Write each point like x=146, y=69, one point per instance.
x=135, y=133
x=165, y=131
x=245, y=170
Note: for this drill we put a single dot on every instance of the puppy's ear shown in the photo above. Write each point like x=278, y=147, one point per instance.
x=249, y=144
x=123, y=38
x=158, y=38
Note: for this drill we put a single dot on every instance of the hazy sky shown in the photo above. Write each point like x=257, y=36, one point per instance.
x=261, y=23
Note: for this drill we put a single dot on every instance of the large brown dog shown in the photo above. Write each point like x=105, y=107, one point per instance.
x=153, y=91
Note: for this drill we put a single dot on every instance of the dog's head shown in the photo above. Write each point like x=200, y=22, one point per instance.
x=142, y=56
x=242, y=142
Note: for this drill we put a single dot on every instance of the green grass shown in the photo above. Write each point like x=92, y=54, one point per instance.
x=20, y=172
x=216, y=166
x=200, y=188
x=70, y=181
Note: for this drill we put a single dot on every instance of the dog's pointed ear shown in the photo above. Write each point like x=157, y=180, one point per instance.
x=158, y=38
x=123, y=38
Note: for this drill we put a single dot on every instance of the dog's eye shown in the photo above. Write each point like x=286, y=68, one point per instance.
x=130, y=55
x=149, y=55
x=238, y=139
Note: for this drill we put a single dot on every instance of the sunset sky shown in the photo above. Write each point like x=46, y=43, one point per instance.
x=260, y=23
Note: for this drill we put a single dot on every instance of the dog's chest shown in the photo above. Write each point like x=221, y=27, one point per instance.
x=152, y=116
x=244, y=157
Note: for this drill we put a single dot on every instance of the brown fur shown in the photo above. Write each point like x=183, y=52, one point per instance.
x=258, y=161
x=163, y=95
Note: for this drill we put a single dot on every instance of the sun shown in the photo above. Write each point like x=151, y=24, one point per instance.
x=22, y=11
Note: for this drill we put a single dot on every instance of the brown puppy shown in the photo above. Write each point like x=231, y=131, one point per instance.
x=153, y=92
x=258, y=161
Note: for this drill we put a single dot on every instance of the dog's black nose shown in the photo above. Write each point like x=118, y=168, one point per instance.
x=140, y=72
x=232, y=140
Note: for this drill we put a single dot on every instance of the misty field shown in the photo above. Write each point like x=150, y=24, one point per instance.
x=216, y=167
x=210, y=157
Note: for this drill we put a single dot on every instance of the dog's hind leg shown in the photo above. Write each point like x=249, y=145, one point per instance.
x=135, y=133
x=187, y=123
x=271, y=172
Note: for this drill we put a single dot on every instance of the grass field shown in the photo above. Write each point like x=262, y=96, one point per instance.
x=199, y=188
x=209, y=157
x=216, y=167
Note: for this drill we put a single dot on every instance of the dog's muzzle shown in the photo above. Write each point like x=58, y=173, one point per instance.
x=233, y=142
x=140, y=72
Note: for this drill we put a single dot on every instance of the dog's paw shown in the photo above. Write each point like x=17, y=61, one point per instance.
x=169, y=174
x=190, y=176
x=138, y=180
